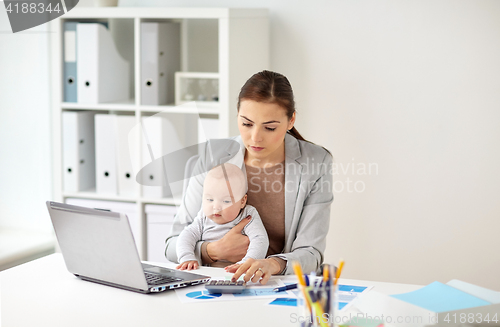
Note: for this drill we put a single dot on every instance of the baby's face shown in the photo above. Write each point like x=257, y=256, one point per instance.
x=217, y=202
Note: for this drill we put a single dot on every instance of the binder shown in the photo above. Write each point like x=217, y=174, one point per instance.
x=153, y=148
x=69, y=58
x=127, y=184
x=103, y=75
x=78, y=151
x=208, y=128
x=160, y=59
x=160, y=135
x=130, y=209
x=160, y=219
x=106, y=131
x=69, y=74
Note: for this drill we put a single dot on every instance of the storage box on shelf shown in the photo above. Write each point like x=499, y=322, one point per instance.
x=222, y=47
x=203, y=87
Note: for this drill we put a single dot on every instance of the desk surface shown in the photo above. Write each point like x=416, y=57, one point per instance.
x=43, y=293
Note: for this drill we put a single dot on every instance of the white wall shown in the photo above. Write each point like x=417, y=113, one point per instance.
x=25, y=166
x=413, y=87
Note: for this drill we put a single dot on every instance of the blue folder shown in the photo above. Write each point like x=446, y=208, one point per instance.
x=69, y=69
x=70, y=73
x=438, y=297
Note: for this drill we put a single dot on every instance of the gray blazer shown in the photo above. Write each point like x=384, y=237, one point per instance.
x=308, y=197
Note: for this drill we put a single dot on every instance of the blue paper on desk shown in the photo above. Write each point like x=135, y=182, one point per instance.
x=438, y=297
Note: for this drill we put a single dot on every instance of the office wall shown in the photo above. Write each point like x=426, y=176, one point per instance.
x=25, y=168
x=412, y=88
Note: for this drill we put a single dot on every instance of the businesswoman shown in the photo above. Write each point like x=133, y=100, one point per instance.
x=289, y=183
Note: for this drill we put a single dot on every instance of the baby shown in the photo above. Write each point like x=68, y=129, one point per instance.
x=223, y=207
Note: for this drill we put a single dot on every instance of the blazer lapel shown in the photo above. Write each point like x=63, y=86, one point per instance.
x=293, y=175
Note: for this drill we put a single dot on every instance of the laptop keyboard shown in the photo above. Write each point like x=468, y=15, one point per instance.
x=156, y=279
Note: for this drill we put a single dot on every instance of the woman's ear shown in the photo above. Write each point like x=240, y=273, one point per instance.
x=244, y=201
x=291, y=122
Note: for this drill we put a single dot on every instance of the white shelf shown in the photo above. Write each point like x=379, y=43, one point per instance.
x=232, y=42
x=96, y=196
x=126, y=105
x=92, y=195
x=164, y=13
x=167, y=201
x=201, y=108
x=210, y=108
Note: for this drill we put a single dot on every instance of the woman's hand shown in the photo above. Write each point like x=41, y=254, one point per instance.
x=233, y=246
x=255, y=270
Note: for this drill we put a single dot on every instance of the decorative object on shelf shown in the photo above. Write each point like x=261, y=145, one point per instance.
x=191, y=86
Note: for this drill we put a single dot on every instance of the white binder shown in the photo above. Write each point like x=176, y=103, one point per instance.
x=103, y=75
x=78, y=151
x=208, y=128
x=153, y=148
x=160, y=135
x=106, y=131
x=160, y=219
x=127, y=184
x=160, y=59
x=130, y=209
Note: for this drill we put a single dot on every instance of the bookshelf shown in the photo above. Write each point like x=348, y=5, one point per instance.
x=231, y=42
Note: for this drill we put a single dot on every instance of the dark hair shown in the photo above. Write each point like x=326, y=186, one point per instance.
x=271, y=87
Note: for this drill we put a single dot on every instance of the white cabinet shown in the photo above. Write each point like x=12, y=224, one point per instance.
x=229, y=43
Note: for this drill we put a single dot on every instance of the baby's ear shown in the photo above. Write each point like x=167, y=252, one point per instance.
x=244, y=201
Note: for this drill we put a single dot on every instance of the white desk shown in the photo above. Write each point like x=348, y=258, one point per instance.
x=43, y=293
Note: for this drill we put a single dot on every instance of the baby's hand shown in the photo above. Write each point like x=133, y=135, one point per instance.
x=188, y=265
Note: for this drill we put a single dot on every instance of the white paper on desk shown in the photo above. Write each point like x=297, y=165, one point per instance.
x=347, y=294
x=477, y=291
x=394, y=311
x=253, y=291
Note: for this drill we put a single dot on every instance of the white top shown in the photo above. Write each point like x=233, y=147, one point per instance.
x=205, y=229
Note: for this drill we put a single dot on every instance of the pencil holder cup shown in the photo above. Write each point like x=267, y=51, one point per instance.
x=334, y=306
x=304, y=313
x=315, y=307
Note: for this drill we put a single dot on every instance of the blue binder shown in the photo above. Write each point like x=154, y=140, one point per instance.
x=69, y=54
x=70, y=58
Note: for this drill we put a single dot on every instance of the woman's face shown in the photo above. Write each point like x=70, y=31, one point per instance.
x=263, y=127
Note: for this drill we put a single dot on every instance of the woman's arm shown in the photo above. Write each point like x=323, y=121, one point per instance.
x=310, y=241
x=256, y=232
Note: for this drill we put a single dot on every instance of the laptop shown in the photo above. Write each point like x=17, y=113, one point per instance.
x=98, y=246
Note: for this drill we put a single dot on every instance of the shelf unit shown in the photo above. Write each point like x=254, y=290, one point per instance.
x=232, y=42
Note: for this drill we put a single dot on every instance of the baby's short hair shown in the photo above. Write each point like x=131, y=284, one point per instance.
x=233, y=175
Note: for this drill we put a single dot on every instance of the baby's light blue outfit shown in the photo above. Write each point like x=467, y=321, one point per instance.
x=204, y=229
